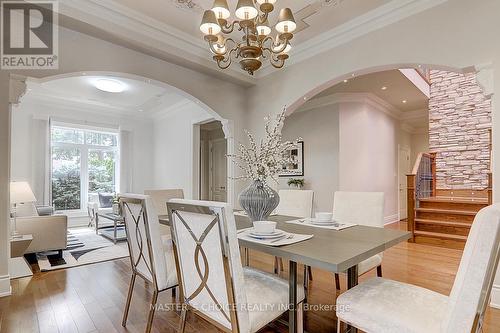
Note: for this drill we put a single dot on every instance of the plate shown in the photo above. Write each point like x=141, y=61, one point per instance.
x=317, y=221
x=276, y=234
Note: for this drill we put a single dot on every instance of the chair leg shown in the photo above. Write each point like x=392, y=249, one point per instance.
x=338, y=325
x=300, y=318
x=337, y=281
x=152, y=311
x=379, y=271
x=182, y=326
x=174, y=292
x=129, y=299
x=276, y=265
x=282, y=268
x=310, y=273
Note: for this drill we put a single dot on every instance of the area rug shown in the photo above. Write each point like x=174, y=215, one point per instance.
x=84, y=247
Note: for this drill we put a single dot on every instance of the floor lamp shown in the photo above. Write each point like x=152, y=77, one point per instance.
x=20, y=192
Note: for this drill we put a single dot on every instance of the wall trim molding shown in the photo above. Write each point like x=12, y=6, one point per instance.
x=5, y=288
x=495, y=296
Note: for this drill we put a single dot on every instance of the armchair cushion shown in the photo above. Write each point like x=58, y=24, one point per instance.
x=106, y=200
x=381, y=305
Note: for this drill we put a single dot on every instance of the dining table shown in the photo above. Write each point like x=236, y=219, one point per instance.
x=336, y=251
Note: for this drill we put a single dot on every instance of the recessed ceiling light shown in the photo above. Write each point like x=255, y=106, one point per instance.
x=109, y=85
x=345, y=81
x=384, y=88
x=141, y=110
x=404, y=101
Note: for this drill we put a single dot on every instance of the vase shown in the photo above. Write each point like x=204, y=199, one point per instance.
x=259, y=200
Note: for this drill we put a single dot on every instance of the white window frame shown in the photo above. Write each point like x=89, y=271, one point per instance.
x=84, y=156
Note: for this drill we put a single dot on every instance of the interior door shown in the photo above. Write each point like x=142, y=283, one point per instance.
x=218, y=170
x=404, y=169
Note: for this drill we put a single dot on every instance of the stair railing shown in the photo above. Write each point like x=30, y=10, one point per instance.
x=421, y=183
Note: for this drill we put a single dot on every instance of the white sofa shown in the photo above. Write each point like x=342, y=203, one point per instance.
x=50, y=233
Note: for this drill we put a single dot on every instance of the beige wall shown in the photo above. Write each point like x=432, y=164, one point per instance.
x=319, y=128
x=419, y=144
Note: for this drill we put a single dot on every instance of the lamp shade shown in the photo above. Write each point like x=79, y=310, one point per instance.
x=20, y=192
x=221, y=9
x=286, y=21
x=263, y=28
x=245, y=10
x=209, y=24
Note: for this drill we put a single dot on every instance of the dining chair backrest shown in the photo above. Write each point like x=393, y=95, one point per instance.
x=297, y=203
x=208, y=259
x=161, y=197
x=472, y=287
x=363, y=208
x=147, y=253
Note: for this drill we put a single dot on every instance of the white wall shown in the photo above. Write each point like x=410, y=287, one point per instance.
x=349, y=147
x=319, y=128
x=368, y=153
x=173, y=148
x=419, y=144
x=24, y=166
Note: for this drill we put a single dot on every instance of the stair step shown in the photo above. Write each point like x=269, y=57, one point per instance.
x=440, y=239
x=447, y=211
x=463, y=216
x=444, y=227
x=469, y=204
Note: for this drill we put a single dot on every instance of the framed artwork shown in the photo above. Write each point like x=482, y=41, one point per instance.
x=296, y=167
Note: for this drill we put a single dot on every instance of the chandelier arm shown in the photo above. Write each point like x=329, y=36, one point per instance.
x=212, y=48
x=227, y=29
x=282, y=47
x=277, y=65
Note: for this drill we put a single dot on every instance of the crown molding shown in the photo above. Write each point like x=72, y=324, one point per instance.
x=167, y=112
x=126, y=23
x=375, y=19
x=363, y=98
x=109, y=14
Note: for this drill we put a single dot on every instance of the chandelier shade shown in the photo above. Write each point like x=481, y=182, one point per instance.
x=209, y=24
x=258, y=43
x=221, y=9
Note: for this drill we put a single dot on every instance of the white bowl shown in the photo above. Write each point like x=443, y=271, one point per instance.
x=264, y=227
x=324, y=216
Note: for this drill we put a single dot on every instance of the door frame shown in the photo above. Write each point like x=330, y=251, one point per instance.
x=407, y=149
x=210, y=168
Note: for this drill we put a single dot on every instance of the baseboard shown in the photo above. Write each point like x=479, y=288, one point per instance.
x=5, y=288
x=495, y=297
x=391, y=219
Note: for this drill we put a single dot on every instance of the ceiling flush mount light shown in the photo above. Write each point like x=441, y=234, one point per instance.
x=109, y=85
x=404, y=101
x=257, y=43
x=384, y=88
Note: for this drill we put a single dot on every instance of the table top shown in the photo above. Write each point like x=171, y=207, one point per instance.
x=331, y=250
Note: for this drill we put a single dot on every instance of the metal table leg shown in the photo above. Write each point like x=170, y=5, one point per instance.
x=352, y=281
x=292, y=313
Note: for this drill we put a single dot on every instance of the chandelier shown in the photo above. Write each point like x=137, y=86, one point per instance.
x=257, y=43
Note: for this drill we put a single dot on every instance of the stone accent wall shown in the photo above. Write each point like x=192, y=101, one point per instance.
x=459, y=130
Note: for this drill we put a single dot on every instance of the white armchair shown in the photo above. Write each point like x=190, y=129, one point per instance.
x=50, y=233
x=381, y=305
x=94, y=207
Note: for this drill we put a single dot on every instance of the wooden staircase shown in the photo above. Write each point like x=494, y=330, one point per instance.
x=441, y=217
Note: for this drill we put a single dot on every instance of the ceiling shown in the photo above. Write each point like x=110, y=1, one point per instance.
x=140, y=98
x=313, y=16
x=398, y=88
x=169, y=29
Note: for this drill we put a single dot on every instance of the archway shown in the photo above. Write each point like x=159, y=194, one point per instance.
x=19, y=83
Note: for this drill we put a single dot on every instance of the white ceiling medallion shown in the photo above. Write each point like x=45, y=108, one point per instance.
x=187, y=4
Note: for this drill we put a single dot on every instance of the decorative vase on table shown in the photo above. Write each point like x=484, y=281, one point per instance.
x=259, y=200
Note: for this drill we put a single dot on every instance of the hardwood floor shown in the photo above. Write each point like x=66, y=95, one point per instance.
x=91, y=298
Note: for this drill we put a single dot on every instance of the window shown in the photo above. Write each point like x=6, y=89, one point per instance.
x=84, y=163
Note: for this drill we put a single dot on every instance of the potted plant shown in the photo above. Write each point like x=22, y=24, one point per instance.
x=260, y=163
x=296, y=182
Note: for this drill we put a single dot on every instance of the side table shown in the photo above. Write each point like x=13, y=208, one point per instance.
x=18, y=267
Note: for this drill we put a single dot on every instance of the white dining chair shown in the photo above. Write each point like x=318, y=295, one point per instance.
x=381, y=305
x=296, y=203
x=161, y=197
x=362, y=208
x=151, y=254
x=212, y=279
